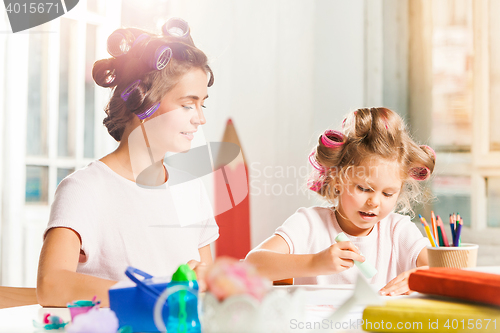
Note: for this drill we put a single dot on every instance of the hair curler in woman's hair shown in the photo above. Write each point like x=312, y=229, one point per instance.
x=126, y=93
x=332, y=139
x=156, y=55
x=176, y=27
x=120, y=42
x=148, y=112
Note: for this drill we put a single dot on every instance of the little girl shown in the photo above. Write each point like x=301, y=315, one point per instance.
x=366, y=172
x=123, y=209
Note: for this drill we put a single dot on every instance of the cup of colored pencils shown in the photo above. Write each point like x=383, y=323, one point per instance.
x=445, y=252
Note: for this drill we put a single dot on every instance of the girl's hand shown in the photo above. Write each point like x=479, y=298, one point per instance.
x=200, y=268
x=399, y=285
x=337, y=258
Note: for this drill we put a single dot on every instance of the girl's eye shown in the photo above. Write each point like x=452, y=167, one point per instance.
x=187, y=107
x=203, y=106
x=388, y=194
x=362, y=189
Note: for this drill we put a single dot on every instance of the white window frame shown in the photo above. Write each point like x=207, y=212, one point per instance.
x=480, y=163
x=22, y=224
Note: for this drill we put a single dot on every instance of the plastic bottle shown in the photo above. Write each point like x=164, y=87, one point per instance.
x=183, y=305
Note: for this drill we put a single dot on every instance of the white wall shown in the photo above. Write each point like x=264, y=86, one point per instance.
x=285, y=70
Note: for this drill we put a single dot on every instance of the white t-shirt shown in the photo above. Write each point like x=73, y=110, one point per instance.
x=392, y=246
x=154, y=229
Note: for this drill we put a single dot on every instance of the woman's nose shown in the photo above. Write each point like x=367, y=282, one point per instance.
x=200, y=117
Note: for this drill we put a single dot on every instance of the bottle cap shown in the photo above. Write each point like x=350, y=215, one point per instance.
x=184, y=273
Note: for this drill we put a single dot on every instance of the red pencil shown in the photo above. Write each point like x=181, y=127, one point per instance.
x=441, y=224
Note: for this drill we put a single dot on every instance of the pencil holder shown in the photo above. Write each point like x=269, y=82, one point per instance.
x=457, y=257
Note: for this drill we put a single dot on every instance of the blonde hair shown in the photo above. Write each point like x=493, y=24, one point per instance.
x=370, y=133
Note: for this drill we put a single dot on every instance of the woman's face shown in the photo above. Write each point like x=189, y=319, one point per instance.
x=172, y=126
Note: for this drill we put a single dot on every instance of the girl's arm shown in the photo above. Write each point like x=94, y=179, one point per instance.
x=273, y=260
x=57, y=281
x=399, y=285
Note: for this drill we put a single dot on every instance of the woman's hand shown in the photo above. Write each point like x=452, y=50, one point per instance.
x=399, y=285
x=337, y=258
x=200, y=268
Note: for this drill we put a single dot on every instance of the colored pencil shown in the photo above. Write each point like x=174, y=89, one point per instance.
x=440, y=235
x=443, y=230
x=428, y=231
x=457, y=234
x=452, y=227
x=434, y=225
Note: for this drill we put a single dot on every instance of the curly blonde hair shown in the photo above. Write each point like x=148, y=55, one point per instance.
x=368, y=133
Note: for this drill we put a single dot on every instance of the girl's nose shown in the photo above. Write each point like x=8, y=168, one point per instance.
x=374, y=200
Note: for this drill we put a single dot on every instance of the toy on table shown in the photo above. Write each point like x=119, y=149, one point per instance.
x=83, y=306
x=228, y=277
x=183, y=305
x=50, y=322
x=365, y=267
x=94, y=320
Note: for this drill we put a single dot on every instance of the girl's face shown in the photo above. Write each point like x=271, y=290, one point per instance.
x=369, y=195
x=173, y=125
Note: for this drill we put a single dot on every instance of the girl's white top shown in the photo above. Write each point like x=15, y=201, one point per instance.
x=154, y=229
x=392, y=246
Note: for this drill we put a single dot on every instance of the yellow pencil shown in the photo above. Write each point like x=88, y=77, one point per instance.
x=427, y=231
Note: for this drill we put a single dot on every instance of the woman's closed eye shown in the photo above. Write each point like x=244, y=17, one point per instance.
x=187, y=107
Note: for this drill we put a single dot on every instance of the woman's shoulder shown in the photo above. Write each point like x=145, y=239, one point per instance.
x=90, y=175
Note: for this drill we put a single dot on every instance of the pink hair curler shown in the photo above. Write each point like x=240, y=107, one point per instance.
x=420, y=173
x=332, y=139
x=432, y=150
x=315, y=163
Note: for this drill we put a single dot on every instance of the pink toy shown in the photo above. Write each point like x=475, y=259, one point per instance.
x=79, y=307
x=229, y=277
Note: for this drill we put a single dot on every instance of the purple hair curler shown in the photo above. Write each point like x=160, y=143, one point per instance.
x=126, y=93
x=332, y=139
x=120, y=42
x=141, y=38
x=176, y=27
x=420, y=173
x=148, y=112
x=162, y=56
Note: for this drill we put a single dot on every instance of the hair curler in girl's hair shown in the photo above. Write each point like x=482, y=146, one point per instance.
x=126, y=93
x=148, y=112
x=432, y=150
x=420, y=173
x=120, y=42
x=332, y=139
x=176, y=27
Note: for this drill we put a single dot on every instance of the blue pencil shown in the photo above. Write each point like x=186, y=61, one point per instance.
x=452, y=227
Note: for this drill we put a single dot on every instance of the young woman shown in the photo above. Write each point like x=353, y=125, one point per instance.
x=128, y=208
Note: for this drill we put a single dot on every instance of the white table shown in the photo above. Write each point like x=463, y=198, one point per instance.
x=321, y=302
